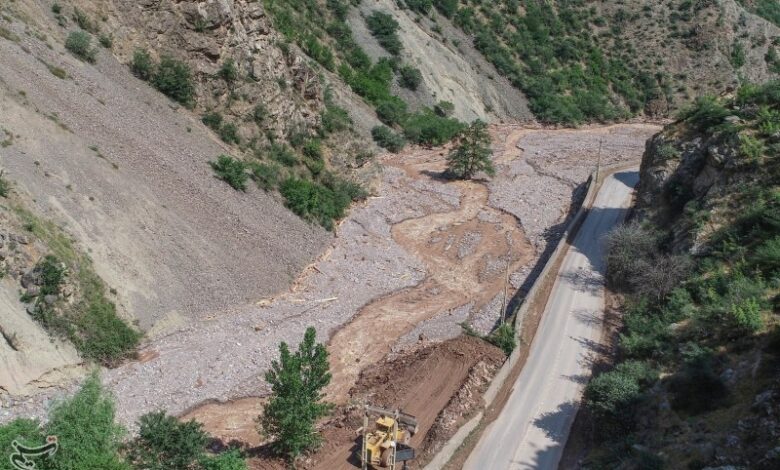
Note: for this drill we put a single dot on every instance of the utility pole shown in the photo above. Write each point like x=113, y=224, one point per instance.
x=598, y=163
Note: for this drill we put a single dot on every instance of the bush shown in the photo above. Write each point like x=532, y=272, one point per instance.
x=26, y=431
x=313, y=149
x=174, y=79
x=165, y=443
x=212, y=119
x=283, y=154
x=230, y=460
x=504, y=338
x=472, y=154
x=80, y=44
x=427, y=128
x=5, y=186
x=767, y=256
x=391, y=111
x=52, y=275
x=266, y=176
x=259, y=114
x=444, y=108
x=626, y=245
x=102, y=335
x=228, y=132
x=706, y=112
x=231, y=171
x=89, y=439
x=613, y=396
x=228, y=71
x=384, y=28
x=142, y=66
x=106, y=41
x=747, y=315
x=334, y=119
x=314, y=201
x=387, y=139
x=411, y=77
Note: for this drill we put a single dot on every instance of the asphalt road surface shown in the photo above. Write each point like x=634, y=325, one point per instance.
x=532, y=429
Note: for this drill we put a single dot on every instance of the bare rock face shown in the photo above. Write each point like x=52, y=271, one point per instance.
x=206, y=34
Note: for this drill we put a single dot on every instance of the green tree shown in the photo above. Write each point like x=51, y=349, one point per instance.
x=472, y=154
x=296, y=403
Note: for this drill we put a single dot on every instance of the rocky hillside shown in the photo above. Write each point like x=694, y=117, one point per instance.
x=696, y=383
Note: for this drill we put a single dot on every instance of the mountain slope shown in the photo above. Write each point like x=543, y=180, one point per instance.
x=698, y=358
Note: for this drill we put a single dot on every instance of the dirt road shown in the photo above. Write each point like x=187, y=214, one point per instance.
x=531, y=431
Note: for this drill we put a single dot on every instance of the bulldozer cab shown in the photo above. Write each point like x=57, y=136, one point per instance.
x=379, y=446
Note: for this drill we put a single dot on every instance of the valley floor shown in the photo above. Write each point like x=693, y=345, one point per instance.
x=406, y=268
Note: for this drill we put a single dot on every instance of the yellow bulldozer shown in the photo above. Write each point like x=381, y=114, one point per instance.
x=388, y=443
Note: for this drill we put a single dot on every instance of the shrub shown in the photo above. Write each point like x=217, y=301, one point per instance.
x=313, y=149
x=314, y=201
x=334, y=119
x=747, y=315
x=411, y=77
x=228, y=132
x=444, y=108
x=259, y=114
x=626, y=245
x=427, y=128
x=142, y=65
x=79, y=43
x=5, y=187
x=106, y=41
x=102, y=335
x=174, y=79
x=737, y=55
x=446, y=7
x=85, y=22
x=266, y=176
x=767, y=256
x=228, y=71
x=283, y=154
x=384, y=28
x=472, y=154
x=231, y=171
x=387, y=139
x=504, y=338
x=212, y=119
x=165, y=443
x=297, y=380
x=230, y=460
x=391, y=111
x=705, y=113
x=52, y=275
x=84, y=424
x=751, y=148
x=613, y=396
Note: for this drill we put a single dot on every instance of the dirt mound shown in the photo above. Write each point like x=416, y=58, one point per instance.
x=440, y=384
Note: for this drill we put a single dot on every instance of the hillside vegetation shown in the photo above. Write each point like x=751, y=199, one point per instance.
x=696, y=383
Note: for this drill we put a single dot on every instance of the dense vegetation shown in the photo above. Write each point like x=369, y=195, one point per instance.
x=768, y=9
x=90, y=322
x=297, y=380
x=90, y=439
x=548, y=50
x=689, y=317
x=300, y=21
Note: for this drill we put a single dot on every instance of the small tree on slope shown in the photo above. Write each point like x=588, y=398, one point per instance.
x=472, y=154
x=296, y=382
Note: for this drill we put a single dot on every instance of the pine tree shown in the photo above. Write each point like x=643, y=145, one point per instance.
x=296, y=403
x=472, y=154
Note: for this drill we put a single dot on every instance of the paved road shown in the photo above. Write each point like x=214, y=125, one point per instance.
x=533, y=427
